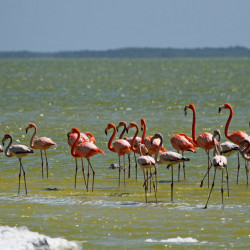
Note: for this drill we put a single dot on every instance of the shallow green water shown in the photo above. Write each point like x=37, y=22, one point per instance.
x=88, y=94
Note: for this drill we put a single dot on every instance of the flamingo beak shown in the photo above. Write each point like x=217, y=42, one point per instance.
x=106, y=133
x=185, y=110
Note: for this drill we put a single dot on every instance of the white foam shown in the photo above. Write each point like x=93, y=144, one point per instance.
x=20, y=238
x=175, y=240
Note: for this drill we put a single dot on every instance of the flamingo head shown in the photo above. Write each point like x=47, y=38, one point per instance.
x=109, y=126
x=143, y=123
x=122, y=124
x=31, y=125
x=225, y=106
x=216, y=133
x=6, y=136
x=190, y=106
x=131, y=125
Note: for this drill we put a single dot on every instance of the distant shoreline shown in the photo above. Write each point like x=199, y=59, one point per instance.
x=208, y=52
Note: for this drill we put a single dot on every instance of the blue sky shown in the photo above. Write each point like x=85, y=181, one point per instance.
x=56, y=25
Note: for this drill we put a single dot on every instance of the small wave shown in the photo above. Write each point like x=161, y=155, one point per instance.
x=16, y=238
x=174, y=240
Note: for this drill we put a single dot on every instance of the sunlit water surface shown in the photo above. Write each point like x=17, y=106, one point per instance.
x=88, y=94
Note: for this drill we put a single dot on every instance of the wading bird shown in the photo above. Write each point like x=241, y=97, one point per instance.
x=120, y=146
x=85, y=150
x=83, y=138
x=169, y=158
x=204, y=140
x=219, y=162
x=236, y=137
x=182, y=142
x=146, y=163
x=19, y=151
x=41, y=143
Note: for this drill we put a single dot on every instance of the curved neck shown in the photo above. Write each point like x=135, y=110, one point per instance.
x=111, y=148
x=123, y=131
x=245, y=150
x=193, y=125
x=133, y=140
x=75, y=143
x=144, y=127
x=7, y=148
x=32, y=138
x=158, y=150
x=228, y=122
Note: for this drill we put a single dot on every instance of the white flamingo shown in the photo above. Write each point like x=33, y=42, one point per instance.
x=19, y=151
x=219, y=162
x=169, y=158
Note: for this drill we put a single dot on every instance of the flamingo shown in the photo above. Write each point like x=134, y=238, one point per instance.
x=151, y=147
x=1, y=149
x=228, y=148
x=19, y=151
x=245, y=151
x=146, y=162
x=120, y=146
x=86, y=150
x=182, y=142
x=169, y=158
x=83, y=138
x=129, y=139
x=41, y=143
x=236, y=137
x=204, y=140
x=219, y=162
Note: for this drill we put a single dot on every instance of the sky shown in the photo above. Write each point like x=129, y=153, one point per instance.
x=58, y=25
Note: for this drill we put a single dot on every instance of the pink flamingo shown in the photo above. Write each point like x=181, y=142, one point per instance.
x=41, y=143
x=182, y=142
x=204, y=140
x=236, y=137
x=151, y=147
x=245, y=150
x=83, y=138
x=120, y=146
x=86, y=150
x=129, y=139
x=169, y=158
x=219, y=162
x=19, y=151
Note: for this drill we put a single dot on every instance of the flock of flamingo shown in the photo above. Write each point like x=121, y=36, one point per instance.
x=83, y=146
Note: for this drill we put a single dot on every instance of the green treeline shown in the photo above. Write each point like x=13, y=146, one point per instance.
x=135, y=53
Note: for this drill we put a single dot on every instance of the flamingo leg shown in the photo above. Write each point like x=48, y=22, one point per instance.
x=222, y=190
x=238, y=168
x=156, y=178
x=129, y=165
x=204, y=177
x=24, y=177
x=119, y=171
x=211, y=189
x=154, y=186
x=208, y=168
x=83, y=173
x=42, y=161
x=135, y=166
x=87, y=188
x=227, y=182
x=146, y=182
x=184, y=171
x=179, y=170
x=47, y=164
x=124, y=170
x=172, y=183
x=76, y=171
x=145, y=186
x=247, y=171
x=19, y=177
x=93, y=173
x=150, y=181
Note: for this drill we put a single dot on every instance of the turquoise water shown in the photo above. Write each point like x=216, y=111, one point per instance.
x=88, y=94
